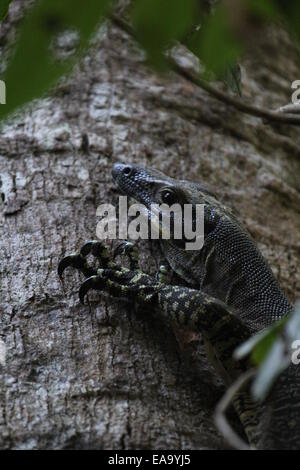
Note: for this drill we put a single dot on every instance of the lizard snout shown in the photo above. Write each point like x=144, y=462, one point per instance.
x=121, y=169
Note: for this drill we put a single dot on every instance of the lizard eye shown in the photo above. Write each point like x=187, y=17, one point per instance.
x=127, y=170
x=168, y=196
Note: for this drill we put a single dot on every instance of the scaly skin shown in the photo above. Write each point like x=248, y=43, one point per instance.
x=231, y=294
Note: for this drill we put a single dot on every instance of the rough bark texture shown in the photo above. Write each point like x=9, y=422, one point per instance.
x=112, y=377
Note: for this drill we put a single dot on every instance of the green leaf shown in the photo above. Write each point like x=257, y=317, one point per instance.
x=246, y=348
x=215, y=45
x=233, y=79
x=275, y=363
x=271, y=349
x=290, y=11
x=260, y=344
x=4, y=5
x=158, y=23
x=263, y=347
x=34, y=68
x=263, y=8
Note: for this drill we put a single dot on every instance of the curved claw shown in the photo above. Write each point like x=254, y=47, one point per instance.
x=98, y=249
x=129, y=249
x=75, y=261
x=93, y=246
x=120, y=249
x=92, y=282
x=87, y=248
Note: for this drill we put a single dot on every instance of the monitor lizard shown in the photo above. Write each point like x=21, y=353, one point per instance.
x=230, y=293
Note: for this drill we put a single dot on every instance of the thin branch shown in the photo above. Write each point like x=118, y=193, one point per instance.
x=290, y=108
x=220, y=415
x=265, y=114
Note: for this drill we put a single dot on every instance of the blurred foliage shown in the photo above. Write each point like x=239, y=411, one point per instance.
x=290, y=11
x=4, y=4
x=215, y=31
x=159, y=23
x=261, y=8
x=34, y=67
x=271, y=350
x=214, y=43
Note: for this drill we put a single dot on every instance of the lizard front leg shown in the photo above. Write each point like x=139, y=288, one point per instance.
x=183, y=307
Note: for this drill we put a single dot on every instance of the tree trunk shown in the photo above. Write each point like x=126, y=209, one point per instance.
x=112, y=377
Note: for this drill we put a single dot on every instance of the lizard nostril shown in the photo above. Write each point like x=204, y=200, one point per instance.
x=127, y=170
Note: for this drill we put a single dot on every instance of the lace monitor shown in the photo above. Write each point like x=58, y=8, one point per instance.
x=230, y=293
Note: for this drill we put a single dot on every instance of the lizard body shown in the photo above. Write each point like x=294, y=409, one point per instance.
x=231, y=293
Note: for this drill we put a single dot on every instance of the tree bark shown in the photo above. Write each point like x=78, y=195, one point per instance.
x=112, y=377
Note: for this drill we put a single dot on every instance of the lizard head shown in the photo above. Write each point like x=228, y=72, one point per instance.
x=149, y=186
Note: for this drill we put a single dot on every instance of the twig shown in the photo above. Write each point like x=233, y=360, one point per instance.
x=265, y=114
x=220, y=418
x=290, y=108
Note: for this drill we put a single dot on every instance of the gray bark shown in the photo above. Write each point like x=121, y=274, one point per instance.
x=112, y=377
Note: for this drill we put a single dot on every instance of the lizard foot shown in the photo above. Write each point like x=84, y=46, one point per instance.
x=122, y=283
x=78, y=259
x=99, y=251
x=110, y=277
